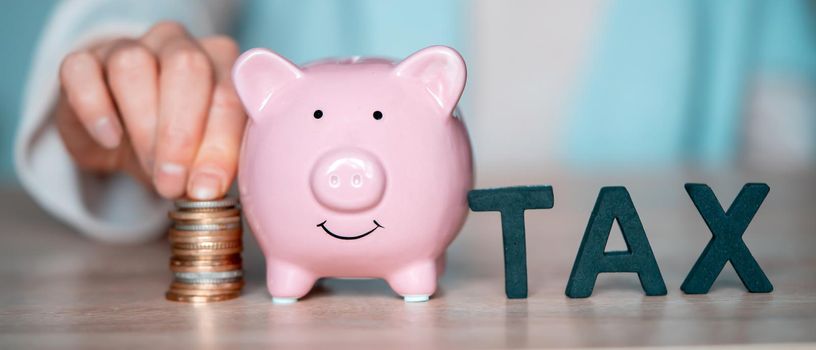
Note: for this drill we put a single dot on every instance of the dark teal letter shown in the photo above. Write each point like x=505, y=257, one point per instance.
x=511, y=203
x=727, y=244
x=614, y=203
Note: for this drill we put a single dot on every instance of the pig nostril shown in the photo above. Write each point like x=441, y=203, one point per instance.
x=334, y=181
x=356, y=181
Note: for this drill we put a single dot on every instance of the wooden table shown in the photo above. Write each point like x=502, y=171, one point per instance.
x=60, y=290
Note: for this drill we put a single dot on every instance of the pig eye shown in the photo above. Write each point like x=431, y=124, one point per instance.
x=377, y=115
x=318, y=114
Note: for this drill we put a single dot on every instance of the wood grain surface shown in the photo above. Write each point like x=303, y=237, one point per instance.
x=60, y=290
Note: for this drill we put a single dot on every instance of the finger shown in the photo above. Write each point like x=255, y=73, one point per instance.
x=163, y=33
x=83, y=83
x=216, y=162
x=87, y=154
x=132, y=76
x=130, y=164
x=185, y=86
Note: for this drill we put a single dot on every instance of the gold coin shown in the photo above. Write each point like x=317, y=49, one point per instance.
x=208, y=257
x=203, y=263
x=230, y=260
x=216, y=268
x=200, y=299
x=232, y=231
x=203, y=238
x=202, y=215
x=206, y=227
x=202, y=292
x=207, y=245
x=210, y=221
x=207, y=210
x=230, y=286
x=206, y=252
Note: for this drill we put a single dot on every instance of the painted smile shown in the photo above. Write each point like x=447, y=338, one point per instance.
x=323, y=226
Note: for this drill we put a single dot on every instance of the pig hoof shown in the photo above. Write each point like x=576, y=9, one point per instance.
x=416, y=298
x=282, y=301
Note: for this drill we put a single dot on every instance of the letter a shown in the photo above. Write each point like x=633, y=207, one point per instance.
x=614, y=203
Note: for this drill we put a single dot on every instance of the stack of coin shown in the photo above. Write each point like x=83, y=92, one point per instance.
x=206, y=244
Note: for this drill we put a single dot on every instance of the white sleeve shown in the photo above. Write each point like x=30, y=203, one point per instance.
x=111, y=208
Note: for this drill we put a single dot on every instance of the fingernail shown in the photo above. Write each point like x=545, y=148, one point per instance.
x=172, y=168
x=106, y=133
x=205, y=185
x=170, y=179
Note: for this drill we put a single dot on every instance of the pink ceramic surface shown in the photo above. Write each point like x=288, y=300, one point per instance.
x=374, y=185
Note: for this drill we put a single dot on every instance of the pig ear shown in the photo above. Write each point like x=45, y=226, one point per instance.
x=441, y=70
x=258, y=74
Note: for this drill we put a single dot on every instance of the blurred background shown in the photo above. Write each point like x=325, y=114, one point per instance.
x=585, y=84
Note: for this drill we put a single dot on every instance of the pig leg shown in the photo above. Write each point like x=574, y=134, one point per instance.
x=416, y=282
x=440, y=265
x=287, y=283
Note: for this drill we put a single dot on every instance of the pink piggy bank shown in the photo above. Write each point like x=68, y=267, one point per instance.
x=354, y=168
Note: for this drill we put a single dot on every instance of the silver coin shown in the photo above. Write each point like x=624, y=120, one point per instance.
x=221, y=203
x=206, y=227
x=209, y=275
x=208, y=280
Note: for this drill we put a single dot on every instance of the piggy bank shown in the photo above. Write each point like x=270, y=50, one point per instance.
x=354, y=168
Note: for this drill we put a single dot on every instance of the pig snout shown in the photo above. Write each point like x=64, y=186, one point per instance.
x=348, y=180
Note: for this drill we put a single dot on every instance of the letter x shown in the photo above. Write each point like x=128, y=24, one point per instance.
x=727, y=244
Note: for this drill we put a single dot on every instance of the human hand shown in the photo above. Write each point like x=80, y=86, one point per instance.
x=161, y=108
